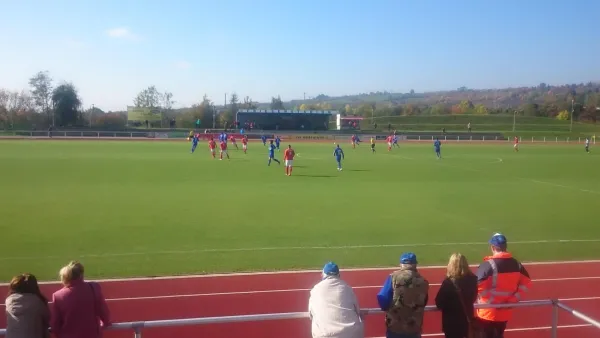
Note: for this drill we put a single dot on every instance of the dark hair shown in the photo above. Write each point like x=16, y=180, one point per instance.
x=26, y=283
x=500, y=247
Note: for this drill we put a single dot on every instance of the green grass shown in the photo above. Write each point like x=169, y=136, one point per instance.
x=148, y=208
x=480, y=123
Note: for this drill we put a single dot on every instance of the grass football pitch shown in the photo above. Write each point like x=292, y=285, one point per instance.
x=152, y=208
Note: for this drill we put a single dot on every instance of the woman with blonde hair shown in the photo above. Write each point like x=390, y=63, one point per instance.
x=79, y=309
x=455, y=298
x=27, y=312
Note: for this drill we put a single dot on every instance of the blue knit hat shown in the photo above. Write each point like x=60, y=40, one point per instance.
x=498, y=240
x=408, y=258
x=331, y=269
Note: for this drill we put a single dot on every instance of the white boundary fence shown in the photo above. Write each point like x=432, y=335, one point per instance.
x=425, y=136
x=137, y=327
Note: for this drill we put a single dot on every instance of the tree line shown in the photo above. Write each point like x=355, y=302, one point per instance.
x=45, y=104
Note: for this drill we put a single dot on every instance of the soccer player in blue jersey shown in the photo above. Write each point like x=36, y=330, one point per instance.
x=437, y=146
x=395, y=141
x=272, y=153
x=195, y=140
x=277, y=142
x=264, y=140
x=338, y=153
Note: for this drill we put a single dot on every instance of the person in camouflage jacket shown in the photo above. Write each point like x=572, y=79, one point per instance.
x=403, y=297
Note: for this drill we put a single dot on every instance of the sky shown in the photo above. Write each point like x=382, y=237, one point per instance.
x=112, y=49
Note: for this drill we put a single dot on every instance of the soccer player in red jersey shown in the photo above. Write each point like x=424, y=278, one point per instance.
x=516, y=144
x=223, y=150
x=389, y=142
x=245, y=143
x=212, y=145
x=288, y=156
x=353, y=141
x=232, y=138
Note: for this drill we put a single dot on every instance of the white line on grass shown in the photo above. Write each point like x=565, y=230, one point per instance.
x=565, y=186
x=529, y=180
x=309, y=271
x=290, y=248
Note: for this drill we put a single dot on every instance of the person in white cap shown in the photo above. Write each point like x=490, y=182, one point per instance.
x=333, y=307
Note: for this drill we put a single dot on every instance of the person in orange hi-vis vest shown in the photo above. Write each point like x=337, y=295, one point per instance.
x=501, y=279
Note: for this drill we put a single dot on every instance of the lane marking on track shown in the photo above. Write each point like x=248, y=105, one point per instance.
x=289, y=248
x=232, y=293
x=296, y=272
x=128, y=299
x=520, y=329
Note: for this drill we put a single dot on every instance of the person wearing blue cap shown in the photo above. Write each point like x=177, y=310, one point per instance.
x=333, y=307
x=501, y=279
x=403, y=297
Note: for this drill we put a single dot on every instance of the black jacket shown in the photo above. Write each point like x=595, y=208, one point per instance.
x=453, y=315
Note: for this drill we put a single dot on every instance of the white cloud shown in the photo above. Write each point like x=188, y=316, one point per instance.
x=182, y=65
x=121, y=33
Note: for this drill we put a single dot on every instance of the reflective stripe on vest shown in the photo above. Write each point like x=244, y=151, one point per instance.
x=492, y=292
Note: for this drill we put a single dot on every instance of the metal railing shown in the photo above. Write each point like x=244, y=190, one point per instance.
x=291, y=135
x=137, y=327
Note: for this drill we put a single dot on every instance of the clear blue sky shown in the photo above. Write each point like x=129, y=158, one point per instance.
x=111, y=49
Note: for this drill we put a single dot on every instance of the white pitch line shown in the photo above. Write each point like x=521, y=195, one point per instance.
x=299, y=272
x=530, y=180
x=289, y=248
x=565, y=186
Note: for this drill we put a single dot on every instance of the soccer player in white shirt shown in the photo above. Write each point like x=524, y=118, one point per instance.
x=587, y=145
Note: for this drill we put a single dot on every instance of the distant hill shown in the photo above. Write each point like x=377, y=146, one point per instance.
x=491, y=98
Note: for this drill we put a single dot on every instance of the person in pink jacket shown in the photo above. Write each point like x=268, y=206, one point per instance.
x=79, y=309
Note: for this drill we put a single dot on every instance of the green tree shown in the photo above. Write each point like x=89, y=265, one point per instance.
x=530, y=109
x=66, y=104
x=439, y=109
x=148, y=98
x=324, y=106
x=166, y=101
x=365, y=110
x=563, y=115
x=481, y=109
x=466, y=106
x=227, y=116
x=41, y=85
x=276, y=103
x=13, y=103
x=347, y=110
x=248, y=103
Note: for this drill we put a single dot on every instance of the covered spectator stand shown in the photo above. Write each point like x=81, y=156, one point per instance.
x=284, y=119
x=349, y=122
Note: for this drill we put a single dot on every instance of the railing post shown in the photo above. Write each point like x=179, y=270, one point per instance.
x=137, y=333
x=554, y=332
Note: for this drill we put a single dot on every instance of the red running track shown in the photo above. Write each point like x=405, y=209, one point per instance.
x=221, y=295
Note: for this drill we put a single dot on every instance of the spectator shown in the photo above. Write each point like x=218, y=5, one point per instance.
x=403, y=297
x=333, y=307
x=27, y=312
x=455, y=298
x=501, y=279
x=79, y=309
